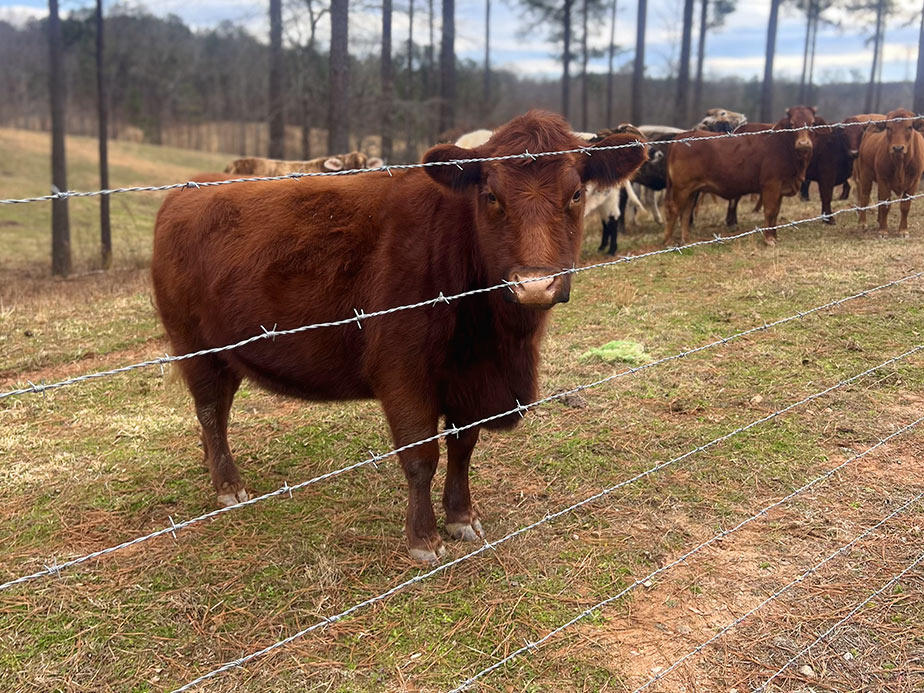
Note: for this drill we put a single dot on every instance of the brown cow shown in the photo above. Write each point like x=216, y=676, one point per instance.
x=854, y=133
x=772, y=164
x=892, y=155
x=228, y=259
x=258, y=166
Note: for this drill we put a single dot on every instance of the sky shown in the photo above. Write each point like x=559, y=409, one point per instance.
x=736, y=49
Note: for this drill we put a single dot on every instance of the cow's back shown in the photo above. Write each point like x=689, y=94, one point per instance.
x=229, y=260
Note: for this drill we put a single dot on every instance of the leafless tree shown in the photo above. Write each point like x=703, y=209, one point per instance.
x=105, y=231
x=448, y=68
x=338, y=111
x=60, y=226
x=277, y=124
x=766, y=92
x=638, y=70
x=388, y=82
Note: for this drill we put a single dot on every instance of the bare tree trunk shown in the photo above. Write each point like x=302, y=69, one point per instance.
x=486, y=97
x=566, y=60
x=277, y=125
x=448, y=68
x=388, y=82
x=681, y=102
x=410, y=147
x=306, y=118
x=584, y=58
x=700, y=58
x=609, y=69
x=918, y=103
x=638, y=70
x=877, y=43
x=805, y=52
x=766, y=92
x=60, y=227
x=810, y=89
x=105, y=231
x=338, y=110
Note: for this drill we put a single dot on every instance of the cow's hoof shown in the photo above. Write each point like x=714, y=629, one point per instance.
x=465, y=531
x=770, y=242
x=829, y=220
x=230, y=496
x=428, y=555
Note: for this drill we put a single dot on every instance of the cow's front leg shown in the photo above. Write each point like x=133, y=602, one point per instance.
x=412, y=421
x=461, y=519
x=885, y=192
x=905, y=207
x=772, y=198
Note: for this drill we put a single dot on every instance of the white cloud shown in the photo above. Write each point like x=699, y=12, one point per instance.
x=20, y=15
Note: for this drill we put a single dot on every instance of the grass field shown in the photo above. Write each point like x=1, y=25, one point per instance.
x=86, y=467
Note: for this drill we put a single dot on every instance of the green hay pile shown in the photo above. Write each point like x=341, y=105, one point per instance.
x=619, y=351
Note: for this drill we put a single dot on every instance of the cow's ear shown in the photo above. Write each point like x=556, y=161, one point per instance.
x=607, y=167
x=375, y=162
x=452, y=175
x=919, y=123
x=333, y=164
x=819, y=121
x=876, y=125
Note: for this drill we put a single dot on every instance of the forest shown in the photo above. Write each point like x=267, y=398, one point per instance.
x=208, y=89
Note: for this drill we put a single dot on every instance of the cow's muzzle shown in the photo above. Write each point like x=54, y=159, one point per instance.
x=898, y=149
x=854, y=153
x=533, y=287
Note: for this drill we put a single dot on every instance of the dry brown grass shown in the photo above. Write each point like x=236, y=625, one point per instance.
x=86, y=467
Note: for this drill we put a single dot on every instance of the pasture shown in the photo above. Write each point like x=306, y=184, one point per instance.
x=89, y=466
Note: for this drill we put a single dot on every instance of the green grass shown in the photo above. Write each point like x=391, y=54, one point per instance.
x=88, y=466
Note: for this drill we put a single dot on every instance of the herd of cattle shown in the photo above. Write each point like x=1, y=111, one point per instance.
x=497, y=231
x=772, y=166
x=861, y=148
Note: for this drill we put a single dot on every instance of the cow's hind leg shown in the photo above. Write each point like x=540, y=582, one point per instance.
x=213, y=385
x=461, y=519
x=731, y=213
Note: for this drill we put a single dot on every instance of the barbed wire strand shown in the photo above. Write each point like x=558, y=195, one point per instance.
x=548, y=518
x=358, y=317
x=853, y=612
x=388, y=168
x=454, y=430
x=655, y=573
x=779, y=593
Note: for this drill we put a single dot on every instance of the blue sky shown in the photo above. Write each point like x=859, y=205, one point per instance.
x=735, y=49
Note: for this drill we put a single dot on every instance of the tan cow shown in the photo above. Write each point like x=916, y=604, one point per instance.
x=892, y=156
x=721, y=120
x=258, y=166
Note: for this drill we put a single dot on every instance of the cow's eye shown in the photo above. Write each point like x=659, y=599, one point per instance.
x=576, y=197
x=492, y=198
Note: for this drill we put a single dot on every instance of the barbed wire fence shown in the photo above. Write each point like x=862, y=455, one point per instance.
x=388, y=168
x=360, y=316
x=286, y=490
x=490, y=546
